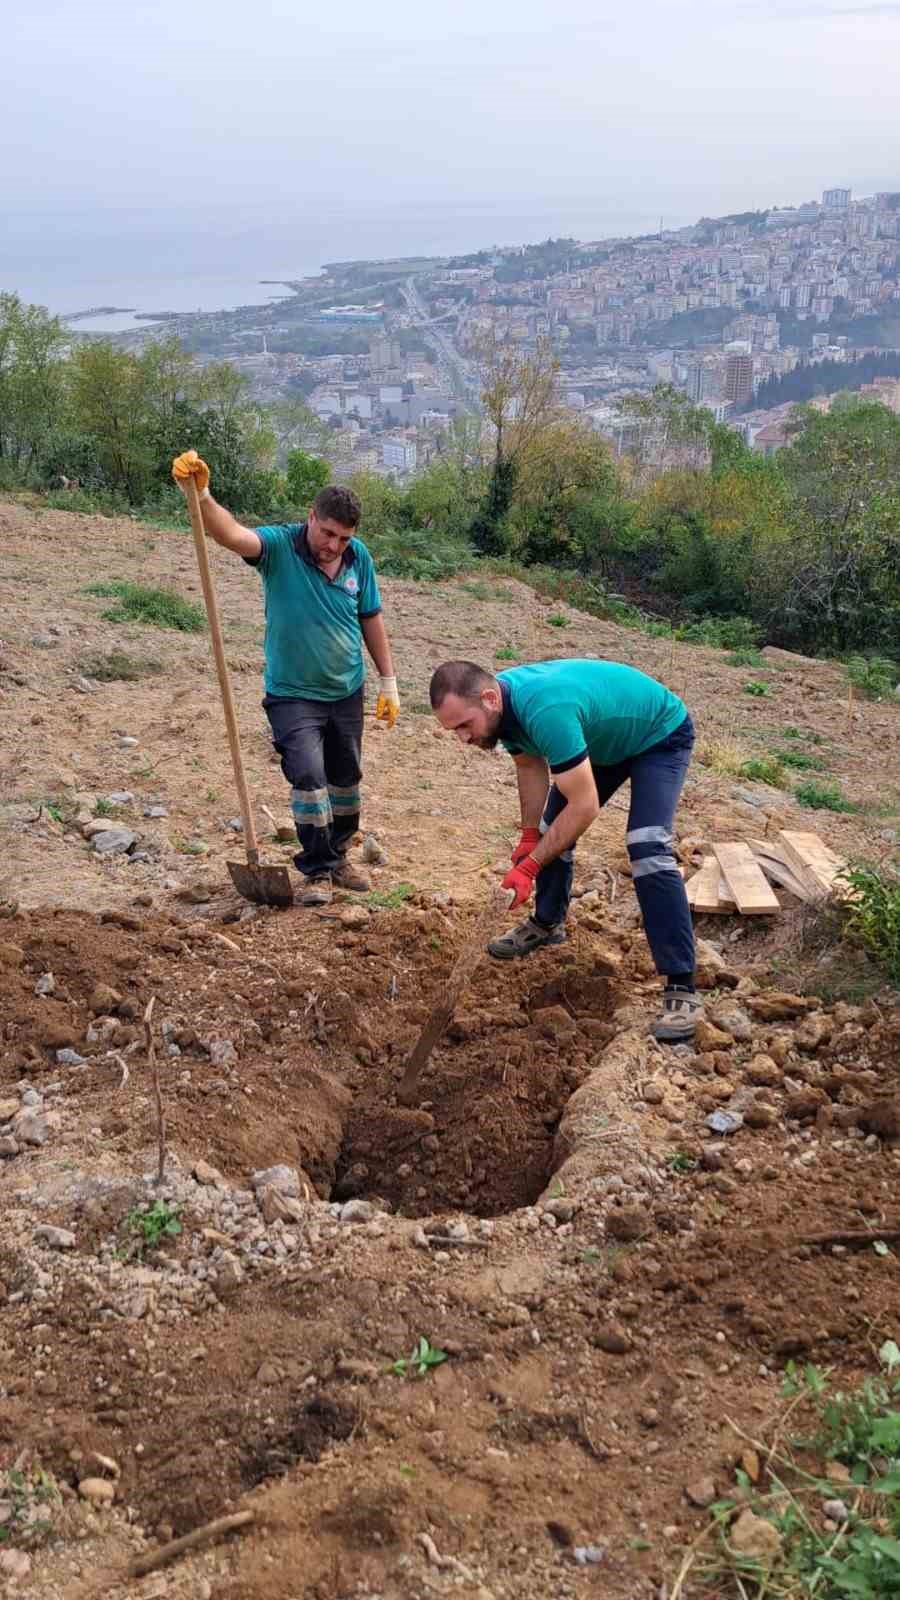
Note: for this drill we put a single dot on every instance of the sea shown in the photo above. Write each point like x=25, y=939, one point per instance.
x=136, y=263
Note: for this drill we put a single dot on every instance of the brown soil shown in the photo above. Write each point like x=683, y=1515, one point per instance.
x=591, y=1364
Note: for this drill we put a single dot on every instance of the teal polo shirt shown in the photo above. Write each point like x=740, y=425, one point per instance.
x=314, y=641
x=568, y=710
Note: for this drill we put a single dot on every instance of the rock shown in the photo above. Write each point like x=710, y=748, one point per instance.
x=222, y=1052
x=355, y=917
x=881, y=1117
x=228, y=1276
x=760, y=1115
x=268, y=1374
x=11, y=955
x=42, y=641
x=86, y=685
x=126, y=742
x=46, y=984
x=121, y=797
x=756, y=1538
x=732, y=1019
x=815, y=1031
x=773, y=1006
x=708, y=1037
x=627, y=1224
x=285, y=1179
x=54, y=1238
x=114, y=842
x=30, y=1127
x=701, y=1492
x=562, y=1210
x=803, y=1106
x=763, y=1070
x=588, y=1555
x=8, y=1145
x=15, y=1567
x=279, y=1207
x=70, y=1058
x=209, y=1177
x=104, y=1000
x=554, y=1022
x=612, y=1339
x=156, y=811
x=373, y=853
x=653, y=1094
x=724, y=1122
x=235, y=824
x=99, y=1491
x=8, y=1109
x=711, y=1158
x=91, y=826
x=358, y=1211
x=835, y=1511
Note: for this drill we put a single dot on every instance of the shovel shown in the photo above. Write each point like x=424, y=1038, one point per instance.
x=266, y=886
x=441, y=1015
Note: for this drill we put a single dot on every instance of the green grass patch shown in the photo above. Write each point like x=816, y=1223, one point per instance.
x=390, y=899
x=874, y=677
x=557, y=621
x=120, y=667
x=801, y=760
x=817, y=796
x=149, y=1225
x=745, y=658
x=159, y=608
x=505, y=652
x=479, y=590
x=756, y=689
x=791, y=732
x=764, y=769
x=874, y=917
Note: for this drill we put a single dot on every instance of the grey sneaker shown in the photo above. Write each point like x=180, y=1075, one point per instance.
x=316, y=891
x=347, y=876
x=525, y=939
x=678, y=1019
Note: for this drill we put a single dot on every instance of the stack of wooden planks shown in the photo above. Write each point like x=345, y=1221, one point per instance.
x=738, y=876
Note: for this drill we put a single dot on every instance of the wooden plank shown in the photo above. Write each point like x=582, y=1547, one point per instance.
x=754, y=896
x=706, y=890
x=810, y=857
x=774, y=864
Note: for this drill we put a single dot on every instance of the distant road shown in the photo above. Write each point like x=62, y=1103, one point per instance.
x=463, y=372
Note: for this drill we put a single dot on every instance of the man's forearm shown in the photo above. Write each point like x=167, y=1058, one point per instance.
x=569, y=826
x=378, y=645
x=224, y=529
x=533, y=778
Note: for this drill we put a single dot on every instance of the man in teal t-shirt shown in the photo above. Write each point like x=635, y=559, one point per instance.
x=322, y=604
x=576, y=731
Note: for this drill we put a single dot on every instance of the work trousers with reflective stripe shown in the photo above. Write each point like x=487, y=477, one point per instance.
x=656, y=777
x=319, y=742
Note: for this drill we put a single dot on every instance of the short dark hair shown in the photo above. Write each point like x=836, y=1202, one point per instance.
x=338, y=505
x=464, y=678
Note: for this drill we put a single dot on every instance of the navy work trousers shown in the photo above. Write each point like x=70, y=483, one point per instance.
x=656, y=777
x=320, y=742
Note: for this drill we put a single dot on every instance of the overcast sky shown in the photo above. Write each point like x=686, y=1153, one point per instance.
x=274, y=110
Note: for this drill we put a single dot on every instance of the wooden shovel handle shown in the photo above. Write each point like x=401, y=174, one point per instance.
x=215, y=629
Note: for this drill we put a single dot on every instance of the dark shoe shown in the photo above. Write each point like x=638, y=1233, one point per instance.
x=316, y=891
x=525, y=939
x=347, y=876
x=677, y=1022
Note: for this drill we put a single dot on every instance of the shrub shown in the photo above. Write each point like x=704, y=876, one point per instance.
x=119, y=667
x=874, y=916
x=821, y=797
x=763, y=769
x=873, y=676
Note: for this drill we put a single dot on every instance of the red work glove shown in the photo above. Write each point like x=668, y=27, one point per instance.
x=520, y=879
x=529, y=838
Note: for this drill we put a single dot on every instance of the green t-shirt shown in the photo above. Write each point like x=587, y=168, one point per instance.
x=313, y=639
x=567, y=710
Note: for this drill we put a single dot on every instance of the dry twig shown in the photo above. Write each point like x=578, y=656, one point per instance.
x=176, y=1547
x=157, y=1091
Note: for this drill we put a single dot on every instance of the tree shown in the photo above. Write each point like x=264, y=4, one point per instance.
x=32, y=379
x=519, y=397
x=306, y=475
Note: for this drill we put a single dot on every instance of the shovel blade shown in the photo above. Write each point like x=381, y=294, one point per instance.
x=265, y=886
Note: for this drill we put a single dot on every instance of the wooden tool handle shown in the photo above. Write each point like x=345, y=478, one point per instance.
x=215, y=629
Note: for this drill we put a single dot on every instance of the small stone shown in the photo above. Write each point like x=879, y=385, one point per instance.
x=709, y=1037
x=612, y=1340
x=763, y=1071
x=104, y=1000
x=99, y=1491
x=86, y=685
x=653, y=1093
x=121, y=797
x=268, y=1374
x=222, y=1052
x=156, y=811
x=279, y=1207
x=54, y=1238
x=373, y=853
x=127, y=742
x=114, y=842
x=228, y=1276
x=209, y=1177
x=8, y=1145
x=357, y=1211
x=235, y=824
x=285, y=1179
x=70, y=1058
x=11, y=955
x=760, y=1115
x=46, y=984
x=588, y=1555
x=701, y=1492
x=711, y=1158
x=755, y=1537
x=562, y=1210
x=724, y=1122
x=15, y=1566
x=42, y=641
x=628, y=1224
x=356, y=1371
x=30, y=1127
x=835, y=1511
x=814, y=1031
x=733, y=1019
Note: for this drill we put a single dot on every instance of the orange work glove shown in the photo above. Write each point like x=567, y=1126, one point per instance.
x=388, y=706
x=190, y=465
